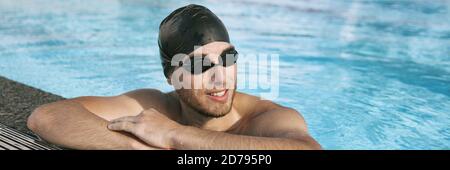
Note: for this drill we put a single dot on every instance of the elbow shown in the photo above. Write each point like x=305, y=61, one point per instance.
x=39, y=119
x=307, y=143
x=315, y=146
x=312, y=144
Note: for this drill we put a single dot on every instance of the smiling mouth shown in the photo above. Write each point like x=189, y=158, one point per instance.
x=219, y=96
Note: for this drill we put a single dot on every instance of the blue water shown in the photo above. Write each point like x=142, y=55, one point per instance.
x=364, y=74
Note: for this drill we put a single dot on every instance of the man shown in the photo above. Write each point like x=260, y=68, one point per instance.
x=187, y=118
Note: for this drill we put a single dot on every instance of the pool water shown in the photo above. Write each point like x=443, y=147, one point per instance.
x=364, y=74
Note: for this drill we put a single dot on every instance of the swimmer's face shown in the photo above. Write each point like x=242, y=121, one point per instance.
x=213, y=88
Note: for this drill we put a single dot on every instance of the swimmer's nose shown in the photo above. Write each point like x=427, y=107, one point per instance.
x=218, y=78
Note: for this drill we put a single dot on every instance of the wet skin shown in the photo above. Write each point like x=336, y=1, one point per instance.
x=205, y=118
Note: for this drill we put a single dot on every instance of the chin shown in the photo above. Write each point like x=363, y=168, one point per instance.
x=204, y=105
x=214, y=109
x=213, y=115
x=217, y=112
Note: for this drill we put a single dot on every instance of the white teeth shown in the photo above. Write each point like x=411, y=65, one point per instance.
x=218, y=93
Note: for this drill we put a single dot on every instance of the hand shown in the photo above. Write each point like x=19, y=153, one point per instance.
x=150, y=126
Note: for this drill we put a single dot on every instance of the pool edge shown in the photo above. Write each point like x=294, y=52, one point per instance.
x=18, y=100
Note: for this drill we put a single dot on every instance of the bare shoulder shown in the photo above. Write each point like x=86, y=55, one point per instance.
x=146, y=97
x=165, y=103
x=267, y=118
x=256, y=106
x=127, y=104
x=245, y=103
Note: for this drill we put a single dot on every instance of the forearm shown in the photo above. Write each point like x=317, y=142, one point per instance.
x=71, y=125
x=189, y=137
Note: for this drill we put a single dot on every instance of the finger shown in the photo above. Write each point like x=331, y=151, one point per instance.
x=122, y=126
x=125, y=119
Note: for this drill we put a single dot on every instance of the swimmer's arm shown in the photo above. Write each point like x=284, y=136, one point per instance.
x=81, y=123
x=281, y=128
x=268, y=126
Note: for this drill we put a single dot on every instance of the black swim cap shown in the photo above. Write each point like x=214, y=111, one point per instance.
x=186, y=27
